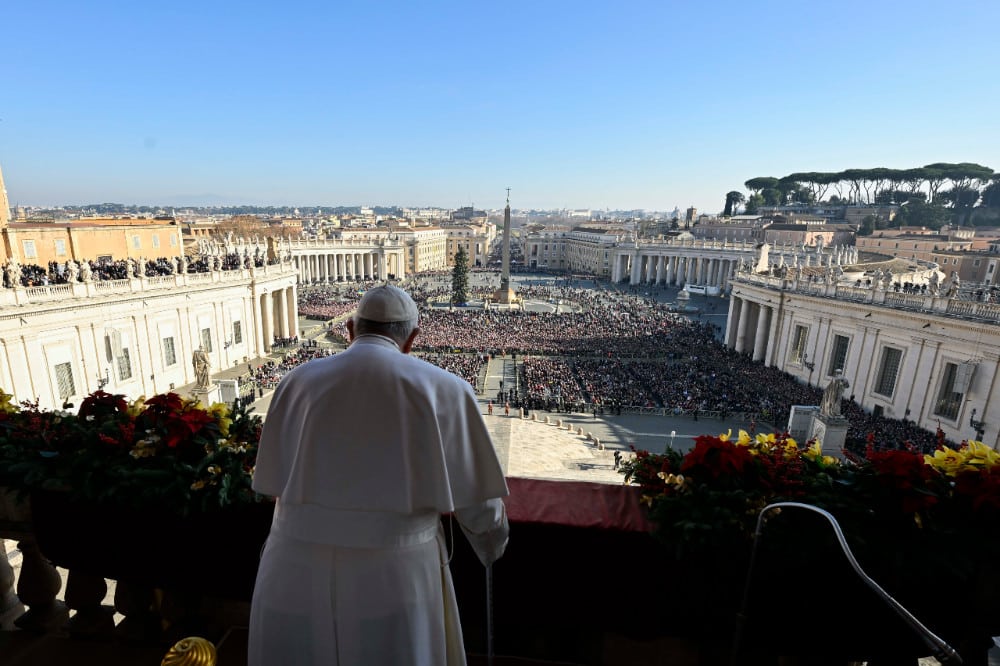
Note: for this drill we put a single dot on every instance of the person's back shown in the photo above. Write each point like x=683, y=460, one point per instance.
x=365, y=450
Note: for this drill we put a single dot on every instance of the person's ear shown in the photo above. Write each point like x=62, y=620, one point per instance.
x=408, y=344
x=350, y=329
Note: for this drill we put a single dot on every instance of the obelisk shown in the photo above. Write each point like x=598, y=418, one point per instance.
x=505, y=294
x=4, y=205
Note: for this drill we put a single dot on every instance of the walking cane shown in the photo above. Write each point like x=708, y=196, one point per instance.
x=489, y=615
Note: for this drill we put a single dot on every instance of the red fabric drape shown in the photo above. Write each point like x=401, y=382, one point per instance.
x=575, y=504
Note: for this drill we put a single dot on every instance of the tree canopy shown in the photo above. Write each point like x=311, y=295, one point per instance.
x=867, y=186
x=954, y=189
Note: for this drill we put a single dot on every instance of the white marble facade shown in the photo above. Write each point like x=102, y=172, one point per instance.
x=137, y=336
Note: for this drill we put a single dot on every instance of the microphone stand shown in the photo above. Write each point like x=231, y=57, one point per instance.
x=489, y=615
x=943, y=652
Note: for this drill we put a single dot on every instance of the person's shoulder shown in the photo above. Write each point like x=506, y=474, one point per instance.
x=433, y=371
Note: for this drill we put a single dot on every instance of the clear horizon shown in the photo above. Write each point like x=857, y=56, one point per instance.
x=580, y=105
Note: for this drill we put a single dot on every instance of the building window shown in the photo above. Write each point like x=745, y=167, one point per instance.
x=156, y=240
x=888, y=369
x=29, y=250
x=124, y=363
x=798, y=351
x=206, y=339
x=136, y=243
x=948, y=399
x=173, y=240
x=60, y=247
x=237, y=332
x=838, y=358
x=169, y=353
x=64, y=380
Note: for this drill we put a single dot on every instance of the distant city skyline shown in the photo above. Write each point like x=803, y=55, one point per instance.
x=633, y=105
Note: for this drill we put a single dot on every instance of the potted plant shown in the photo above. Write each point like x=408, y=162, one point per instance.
x=141, y=490
x=926, y=526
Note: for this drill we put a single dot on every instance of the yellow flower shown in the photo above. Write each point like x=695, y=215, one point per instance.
x=647, y=500
x=198, y=485
x=946, y=460
x=143, y=449
x=725, y=437
x=744, y=438
x=671, y=479
x=981, y=456
x=767, y=441
x=135, y=409
x=220, y=411
x=814, y=452
x=214, y=469
x=5, y=403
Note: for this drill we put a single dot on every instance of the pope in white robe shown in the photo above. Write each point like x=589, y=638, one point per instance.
x=364, y=451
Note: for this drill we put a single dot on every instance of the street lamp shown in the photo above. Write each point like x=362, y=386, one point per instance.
x=673, y=433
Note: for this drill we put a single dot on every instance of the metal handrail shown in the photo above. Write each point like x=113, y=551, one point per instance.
x=943, y=652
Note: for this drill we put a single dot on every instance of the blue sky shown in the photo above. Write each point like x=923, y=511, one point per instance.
x=571, y=104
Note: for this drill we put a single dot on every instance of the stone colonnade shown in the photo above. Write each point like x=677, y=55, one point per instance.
x=277, y=313
x=752, y=328
x=341, y=265
x=674, y=269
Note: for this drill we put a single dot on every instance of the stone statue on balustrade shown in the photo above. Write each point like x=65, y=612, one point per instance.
x=85, y=274
x=71, y=271
x=953, y=284
x=833, y=393
x=934, y=283
x=886, y=279
x=183, y=264
x=13, y=273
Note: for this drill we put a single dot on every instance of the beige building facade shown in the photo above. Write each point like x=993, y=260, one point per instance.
x=40, y=243
x=930, y=359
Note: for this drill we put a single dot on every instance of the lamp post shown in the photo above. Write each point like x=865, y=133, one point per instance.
x=673, y=433
x=978, y=426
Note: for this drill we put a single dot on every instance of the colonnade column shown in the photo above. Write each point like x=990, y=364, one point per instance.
x=636, y=266
x=729, y=340
x=283, y=314
x=772, y=338
x=760, y=339
x=741, y=326
x=267, y=312
x=671, y=269
x=293, y=311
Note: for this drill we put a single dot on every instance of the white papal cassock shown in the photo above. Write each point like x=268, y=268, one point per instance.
x=365, y=450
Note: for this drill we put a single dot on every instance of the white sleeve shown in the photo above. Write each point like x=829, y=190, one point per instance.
x=485, y=526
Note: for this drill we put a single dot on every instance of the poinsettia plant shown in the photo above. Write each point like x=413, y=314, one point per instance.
x=167, y=451
x=709, y=498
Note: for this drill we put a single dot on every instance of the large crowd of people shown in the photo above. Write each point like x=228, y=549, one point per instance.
x=267, y=375
x=33, y=275
x=615, y=350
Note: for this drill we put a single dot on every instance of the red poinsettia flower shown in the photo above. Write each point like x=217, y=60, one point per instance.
x=981, y=488
x=716, y=457
x=904, y=473
x=101, y=405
